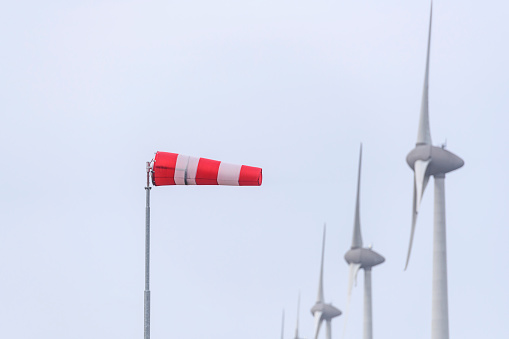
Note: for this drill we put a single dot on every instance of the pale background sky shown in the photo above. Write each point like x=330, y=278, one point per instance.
x=91, y=89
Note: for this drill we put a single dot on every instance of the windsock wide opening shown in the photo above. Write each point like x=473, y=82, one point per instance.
x=178, y=169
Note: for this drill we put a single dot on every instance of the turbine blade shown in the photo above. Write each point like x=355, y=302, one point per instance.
x=412, y=230
x=354, y=269
x=423, y=133
x=356, y=272
x=320, y=297
x=357, y=237
x=318, y=323
x=421, y=181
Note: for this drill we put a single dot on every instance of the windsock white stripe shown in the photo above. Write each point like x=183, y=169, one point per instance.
x=228, y=174
x=181, y=169
x=192, y=167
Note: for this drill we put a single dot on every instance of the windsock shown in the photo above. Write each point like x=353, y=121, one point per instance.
x=178, y=169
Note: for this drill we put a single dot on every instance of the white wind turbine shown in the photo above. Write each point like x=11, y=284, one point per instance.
x=427, y=160
x=283, y=325
x=322, y=311
x=360, y=257
x=297, y=325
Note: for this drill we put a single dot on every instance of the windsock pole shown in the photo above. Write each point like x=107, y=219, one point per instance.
x=177, y=169
x=147, y=258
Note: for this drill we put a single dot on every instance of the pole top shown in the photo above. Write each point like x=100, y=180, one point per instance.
x=149, y=169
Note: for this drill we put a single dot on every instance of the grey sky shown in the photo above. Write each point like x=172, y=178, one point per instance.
x=91, y=89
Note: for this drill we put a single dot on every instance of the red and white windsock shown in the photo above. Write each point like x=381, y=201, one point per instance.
x=178, y=169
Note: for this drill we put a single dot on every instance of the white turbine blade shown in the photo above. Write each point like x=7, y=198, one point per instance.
x=423, y=133
x=356, y=272
x=420, y=183
x=320, y=297
x=354, y=269
x=421, y=180
x=412, y=231
x=318, y=323
x=328, y=329
x=357, y=237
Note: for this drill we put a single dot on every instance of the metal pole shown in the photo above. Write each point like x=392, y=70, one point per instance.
x=147, y=259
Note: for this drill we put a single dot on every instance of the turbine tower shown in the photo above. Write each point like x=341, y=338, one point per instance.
x=427, y=160
x=360, y=257
x=322, y=311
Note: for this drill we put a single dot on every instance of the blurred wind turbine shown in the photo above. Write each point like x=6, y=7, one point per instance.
x=427, y=160
x=297, y=325
x=359, y=257
x=283, y=325
x=322, y=311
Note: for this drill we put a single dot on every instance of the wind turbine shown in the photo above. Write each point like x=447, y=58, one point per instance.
x=322, y=311
x=283, y=325
x=360, y=257
x=297, y=325
x=427, y=160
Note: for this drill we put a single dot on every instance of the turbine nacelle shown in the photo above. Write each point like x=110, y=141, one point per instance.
x=440, y=161
x=322, y=311
x=327, y=311
x=365, y=257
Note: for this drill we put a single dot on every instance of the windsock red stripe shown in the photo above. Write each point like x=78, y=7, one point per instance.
x=206, y=174
x=166, y=169
x=250, y=176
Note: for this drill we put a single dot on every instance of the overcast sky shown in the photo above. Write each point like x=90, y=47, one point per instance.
x=89, y=90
